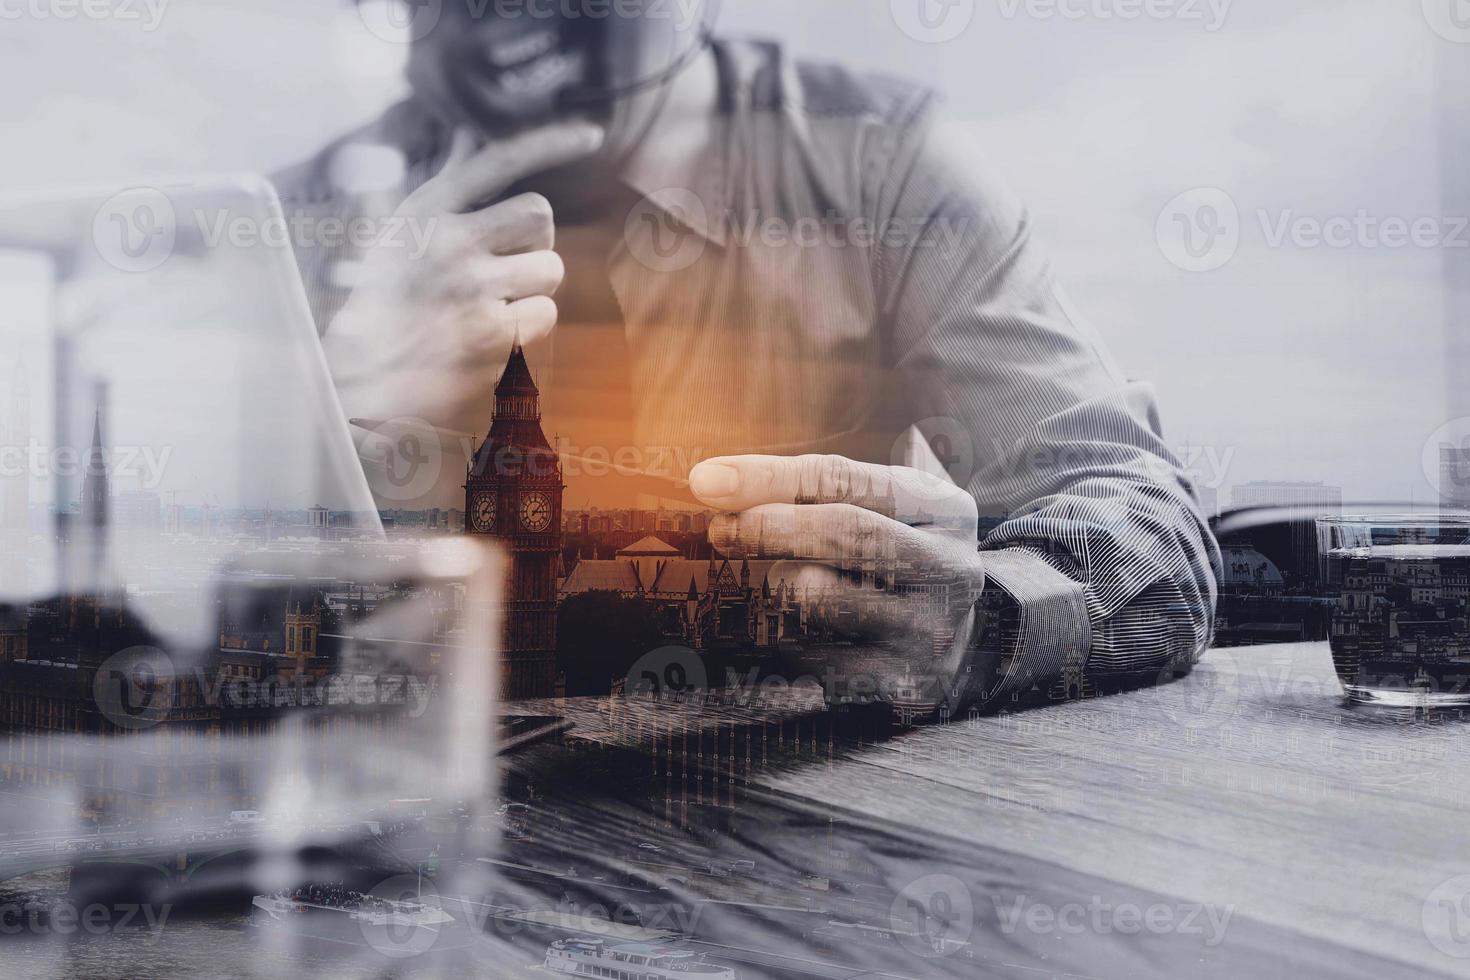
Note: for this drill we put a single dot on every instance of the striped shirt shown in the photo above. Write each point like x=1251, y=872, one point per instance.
x=814, y=265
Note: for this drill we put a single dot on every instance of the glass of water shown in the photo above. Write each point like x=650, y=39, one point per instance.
x=1401, y=623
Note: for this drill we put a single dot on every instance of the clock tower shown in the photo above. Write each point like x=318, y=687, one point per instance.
x=513, y=492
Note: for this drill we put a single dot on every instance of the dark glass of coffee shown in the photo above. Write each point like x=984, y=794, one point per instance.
x=1401, y=625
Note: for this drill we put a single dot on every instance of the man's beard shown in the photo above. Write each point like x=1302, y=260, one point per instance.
x=501, y=80
x=502, y=76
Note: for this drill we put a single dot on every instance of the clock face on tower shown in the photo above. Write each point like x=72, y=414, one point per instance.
x=484, y=516
x=535, y=511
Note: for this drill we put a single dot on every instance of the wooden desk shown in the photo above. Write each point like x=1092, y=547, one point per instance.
x=1250, y=785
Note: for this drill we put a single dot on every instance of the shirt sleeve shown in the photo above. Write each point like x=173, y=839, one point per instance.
x=1101, y=546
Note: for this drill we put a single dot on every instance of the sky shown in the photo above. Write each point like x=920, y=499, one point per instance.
x=1276, y=356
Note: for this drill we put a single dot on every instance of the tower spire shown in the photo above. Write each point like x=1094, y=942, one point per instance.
x=514, y=492
x=516, y=394
x=94, y=486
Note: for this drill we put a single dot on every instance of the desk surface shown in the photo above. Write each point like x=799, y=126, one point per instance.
x=1241, y=822
x=1251, y=784
x=1271, y=829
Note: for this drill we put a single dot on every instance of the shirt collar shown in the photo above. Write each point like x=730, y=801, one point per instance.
x=681, y=166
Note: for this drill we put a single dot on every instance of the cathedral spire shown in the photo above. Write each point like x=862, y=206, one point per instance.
x=94, y=487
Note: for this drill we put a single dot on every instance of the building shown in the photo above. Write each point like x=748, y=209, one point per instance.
x=699, y=603
x=15, y=432
x=513, y=492
x=15, y=487
x=1267, y=493
x=138, y=510
x=1247, y=570
x=198, y=731
x=1454, y=477
x=318, y=520
x=1401, y=622
x=96, y=502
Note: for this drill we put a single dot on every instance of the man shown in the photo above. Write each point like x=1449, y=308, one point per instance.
x=784, y=266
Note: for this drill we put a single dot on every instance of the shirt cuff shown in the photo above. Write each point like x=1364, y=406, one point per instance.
x=1036, y=628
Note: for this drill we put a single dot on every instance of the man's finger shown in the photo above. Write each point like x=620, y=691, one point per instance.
x=462, y=146
x=534, y=317
x=464, y=185
x=523, y=223
x=735, y=483
x=823, y=532
x=531, y=274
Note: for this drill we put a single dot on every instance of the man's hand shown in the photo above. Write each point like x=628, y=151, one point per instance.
x=888, y=554
x=426, y=337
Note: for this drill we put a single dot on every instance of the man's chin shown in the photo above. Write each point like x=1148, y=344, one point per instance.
x=495, y=114
x=577, y=189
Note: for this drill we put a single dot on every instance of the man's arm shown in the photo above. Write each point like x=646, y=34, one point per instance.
x=1103, y=550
